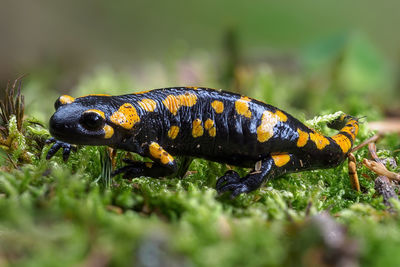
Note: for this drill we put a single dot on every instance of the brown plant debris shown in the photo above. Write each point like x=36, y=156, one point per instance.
x=382, y=183
x=384, y=188
x=355, y=184
x=12, y=104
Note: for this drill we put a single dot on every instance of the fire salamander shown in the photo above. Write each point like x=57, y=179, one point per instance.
x=199, y=122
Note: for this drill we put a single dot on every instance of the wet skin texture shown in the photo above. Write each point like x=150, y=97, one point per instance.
x=199, y=122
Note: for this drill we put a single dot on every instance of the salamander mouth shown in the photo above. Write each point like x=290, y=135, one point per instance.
x=63, y=133
x=74, y=137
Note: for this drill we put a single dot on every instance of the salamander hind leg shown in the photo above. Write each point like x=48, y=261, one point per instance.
x=271, y=167
x=232, y=182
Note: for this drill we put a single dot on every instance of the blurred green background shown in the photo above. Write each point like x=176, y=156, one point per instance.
x=311, y=49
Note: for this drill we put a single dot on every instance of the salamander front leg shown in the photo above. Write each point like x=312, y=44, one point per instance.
x=139, y=168
x=57, y=146
x=164, y=164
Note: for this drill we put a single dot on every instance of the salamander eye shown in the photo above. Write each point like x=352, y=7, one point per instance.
x=92, y=121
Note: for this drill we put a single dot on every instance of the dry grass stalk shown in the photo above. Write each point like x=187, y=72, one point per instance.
x=13, y=103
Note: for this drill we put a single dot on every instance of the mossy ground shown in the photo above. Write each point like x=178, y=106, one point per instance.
x=54, y=213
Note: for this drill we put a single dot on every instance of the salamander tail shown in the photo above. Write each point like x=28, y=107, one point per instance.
x=348, y=128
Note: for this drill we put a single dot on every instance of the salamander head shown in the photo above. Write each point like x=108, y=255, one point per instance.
x=83, y=121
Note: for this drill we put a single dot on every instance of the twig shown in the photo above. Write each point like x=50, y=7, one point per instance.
x=372, y=151
x=12, y=162
x=377, y=166
x=353, y=172
x=382, y=183
x=380, y=169
x=372, y=139
x=383, y=187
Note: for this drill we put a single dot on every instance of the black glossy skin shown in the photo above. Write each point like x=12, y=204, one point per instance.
x=235, y=141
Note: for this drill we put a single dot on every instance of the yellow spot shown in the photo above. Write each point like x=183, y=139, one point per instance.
x=242, y=106
x=303, y=138
x=268, y=121
x=148, y=164
x=187, y=100
x=173, y=132
x=126, y=116
x=349, y=129
x=343, y=141
x=355, y=125
x=174, y=102
x=281, y=159
x=101, y=113
x=319, y=140
x=108, y=131
x=192, y=87
x=148, y=104
x=281, y=115
x=352, y=129
x=212, y=132
x=218, y=106
x=66, y=99
x=197, y=129
x=158, y=152
x=209, y=126
x=141, y=92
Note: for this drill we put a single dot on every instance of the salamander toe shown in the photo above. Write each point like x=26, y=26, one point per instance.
x=229, y=177
x=67, y=148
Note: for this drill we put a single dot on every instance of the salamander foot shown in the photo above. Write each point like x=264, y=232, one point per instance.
x=57, y=146
x=232, y=182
